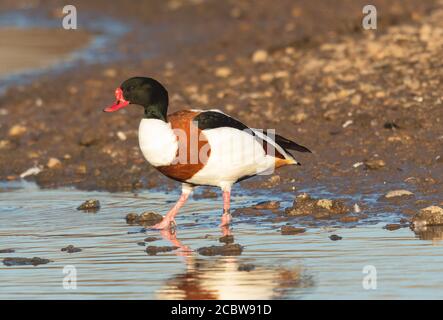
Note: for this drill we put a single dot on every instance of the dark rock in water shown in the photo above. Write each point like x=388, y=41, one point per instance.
x=71, y=249
x=392, y=226
x=246, y=267
x=227, y=239
x=145, y=219
x=319, y=208
x=290, y=230
x=226, y=250
x=335, y=237
x=142, y=244
x=150, y=218
x=7, y=250
x=267, y=205
x=153, y=250
x=430, y=216
x=25, y=261
x=151, y=239
x=89, y=205
x=132, y=218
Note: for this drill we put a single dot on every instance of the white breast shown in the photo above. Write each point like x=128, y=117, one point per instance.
x=158, y=142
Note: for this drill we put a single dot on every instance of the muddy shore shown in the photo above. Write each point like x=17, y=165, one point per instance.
x=368, y=103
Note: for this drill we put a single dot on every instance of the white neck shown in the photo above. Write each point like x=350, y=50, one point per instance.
x=158, y=142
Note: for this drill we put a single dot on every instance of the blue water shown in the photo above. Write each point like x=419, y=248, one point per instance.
x=38, y=223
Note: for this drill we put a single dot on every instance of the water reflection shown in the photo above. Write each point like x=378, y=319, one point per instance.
x=229, y=277
x=434, y=233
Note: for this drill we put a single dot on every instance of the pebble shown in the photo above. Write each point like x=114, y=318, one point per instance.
x=290, y=230
x=131, y=217
x=335, y=237
x=31, y=172
x=71, y=249
x=53, y=163
x=260, y=56
x=374, y=164
x=17, y=130
x=226, y=250
x=392, y=226
x=223, y=72
x=25, y=261
x=153, y=250
x=122, y=136
x=89, y=205
x=398, y=193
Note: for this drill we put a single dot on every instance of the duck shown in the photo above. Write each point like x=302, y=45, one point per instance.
x=200, y=147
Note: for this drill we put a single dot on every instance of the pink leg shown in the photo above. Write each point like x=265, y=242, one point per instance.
x=168, y=221
x=226, y=217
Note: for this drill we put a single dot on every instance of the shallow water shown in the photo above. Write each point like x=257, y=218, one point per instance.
x=105, y=32
x=38, y=223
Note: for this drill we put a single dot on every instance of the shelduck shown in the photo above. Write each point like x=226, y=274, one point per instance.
x=200, y=147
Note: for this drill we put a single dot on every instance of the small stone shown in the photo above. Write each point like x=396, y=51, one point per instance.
x=153, y=250
x=141, y=243
x=89, y=205
x=392, y=226
x=290, y=230
x=53, y=163
x=223, y=72
x=17, y=130
x=398, y=193
x=226, y=250
x=71, y=249
x=260, y=56
x=374, y=164
x=335, y=237
x=298, y=117
x=25, y=261
x=122, y=136
x=246, y=267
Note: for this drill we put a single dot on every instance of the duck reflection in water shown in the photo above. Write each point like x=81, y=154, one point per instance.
x=229, y=277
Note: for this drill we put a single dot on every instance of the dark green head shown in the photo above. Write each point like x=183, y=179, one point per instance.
x=146, y=92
